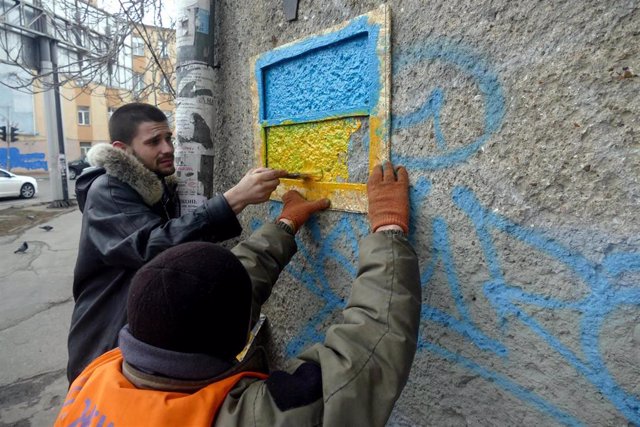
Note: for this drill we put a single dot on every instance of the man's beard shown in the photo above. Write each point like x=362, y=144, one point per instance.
x=157, y=170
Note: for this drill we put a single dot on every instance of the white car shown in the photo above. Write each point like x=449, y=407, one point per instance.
x=12, y=185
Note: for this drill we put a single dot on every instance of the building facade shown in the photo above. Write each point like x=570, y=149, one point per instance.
x=104, y=61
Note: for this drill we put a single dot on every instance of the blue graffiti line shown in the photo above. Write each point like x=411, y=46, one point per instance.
x=506, y=384
x=504, y=298
x=488, y=84
x=314, y=278
x=331, y=246
x=310, y=273
x=619, y=263
x=603, y=299
x=465, y=326
x=431, y=108
x=417, y=194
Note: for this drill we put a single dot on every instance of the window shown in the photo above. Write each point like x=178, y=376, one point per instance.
x=83, y=116
x=84, y=147
x=164, y=85
x=137, y=45
x=138, y=83
x=164, y=49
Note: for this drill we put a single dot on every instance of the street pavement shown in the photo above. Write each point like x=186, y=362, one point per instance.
x=35, y=310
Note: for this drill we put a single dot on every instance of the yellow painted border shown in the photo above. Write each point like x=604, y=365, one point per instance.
x=350, y=197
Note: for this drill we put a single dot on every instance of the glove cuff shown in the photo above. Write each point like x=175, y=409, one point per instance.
x=286, y=227
x=288, y=218
x=390, y=219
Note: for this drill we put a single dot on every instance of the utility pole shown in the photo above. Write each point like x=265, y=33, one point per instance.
x=62, y=158
x=195, y=107
x=55, y=137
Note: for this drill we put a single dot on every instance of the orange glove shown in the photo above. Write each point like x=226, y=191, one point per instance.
x=297, y=210
x=388, y=197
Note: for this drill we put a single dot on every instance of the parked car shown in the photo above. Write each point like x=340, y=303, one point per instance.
x=76, y=167
x=12, y=185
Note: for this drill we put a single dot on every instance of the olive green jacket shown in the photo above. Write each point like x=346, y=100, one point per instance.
x=365, y=359
x=364, y=362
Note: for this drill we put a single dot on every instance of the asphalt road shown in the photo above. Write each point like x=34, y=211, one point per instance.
x=35, y=311
x=43, y=195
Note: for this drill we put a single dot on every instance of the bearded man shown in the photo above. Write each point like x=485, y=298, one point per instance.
x=130, y=214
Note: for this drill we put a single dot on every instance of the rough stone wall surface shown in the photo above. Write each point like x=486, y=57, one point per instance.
x=519, y=123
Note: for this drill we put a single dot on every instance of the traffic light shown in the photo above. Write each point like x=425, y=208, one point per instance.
x=3, y=133
x=13, y=134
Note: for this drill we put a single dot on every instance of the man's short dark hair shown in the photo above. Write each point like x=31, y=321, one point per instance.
x=124, y=122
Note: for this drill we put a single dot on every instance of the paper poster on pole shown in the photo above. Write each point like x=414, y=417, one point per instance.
x=197, y=110
x=62, y=164
x=193, y=18
x=187, y=171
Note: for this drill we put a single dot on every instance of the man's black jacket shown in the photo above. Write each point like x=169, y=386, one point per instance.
x=129, y=216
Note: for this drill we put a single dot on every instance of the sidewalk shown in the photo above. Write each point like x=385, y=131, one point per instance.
x=35, y=311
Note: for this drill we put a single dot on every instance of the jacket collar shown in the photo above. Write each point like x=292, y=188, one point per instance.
x=128, y=169
x=150, y=367
x=256, y=361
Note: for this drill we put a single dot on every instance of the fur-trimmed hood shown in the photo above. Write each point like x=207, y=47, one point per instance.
x=128, y=169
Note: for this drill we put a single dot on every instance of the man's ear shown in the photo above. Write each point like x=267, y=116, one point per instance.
x=121, y=145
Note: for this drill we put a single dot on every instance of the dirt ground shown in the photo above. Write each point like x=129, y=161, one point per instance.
x=13, y=220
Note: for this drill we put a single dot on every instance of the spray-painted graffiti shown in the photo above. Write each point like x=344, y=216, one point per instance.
x=488, y=85
x=15, y=159
x=602, y=297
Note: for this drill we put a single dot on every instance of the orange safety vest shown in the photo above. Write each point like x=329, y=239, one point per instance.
x=102, y=396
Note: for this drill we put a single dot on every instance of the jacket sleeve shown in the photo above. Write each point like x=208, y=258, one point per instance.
x=264, y=255
x=129, y=233
x=365, y=360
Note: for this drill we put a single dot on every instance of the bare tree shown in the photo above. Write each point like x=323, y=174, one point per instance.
x=95, y=49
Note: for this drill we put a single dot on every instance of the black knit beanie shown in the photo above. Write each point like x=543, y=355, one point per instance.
x=192, y=298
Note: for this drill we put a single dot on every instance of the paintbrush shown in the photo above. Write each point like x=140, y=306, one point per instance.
x=307, y=176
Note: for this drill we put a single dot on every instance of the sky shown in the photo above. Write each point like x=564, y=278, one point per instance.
x=168, y=10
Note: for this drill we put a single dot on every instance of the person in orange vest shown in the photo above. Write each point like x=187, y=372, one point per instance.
x=191, y=309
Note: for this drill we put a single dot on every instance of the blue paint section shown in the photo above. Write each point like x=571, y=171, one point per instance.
x=336, y=246
x=325, y=76
x=30, y=161
x=307, y=84
x=619, y=263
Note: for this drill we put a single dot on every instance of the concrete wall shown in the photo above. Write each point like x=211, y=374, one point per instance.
x=519, y=124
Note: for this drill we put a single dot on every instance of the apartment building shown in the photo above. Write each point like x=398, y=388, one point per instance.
x=141, y=69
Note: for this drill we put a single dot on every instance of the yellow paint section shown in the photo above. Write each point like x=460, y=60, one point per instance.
x=316, y=148
x=345, y=196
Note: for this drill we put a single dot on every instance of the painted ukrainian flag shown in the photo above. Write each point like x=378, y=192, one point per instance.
x=318, y=99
